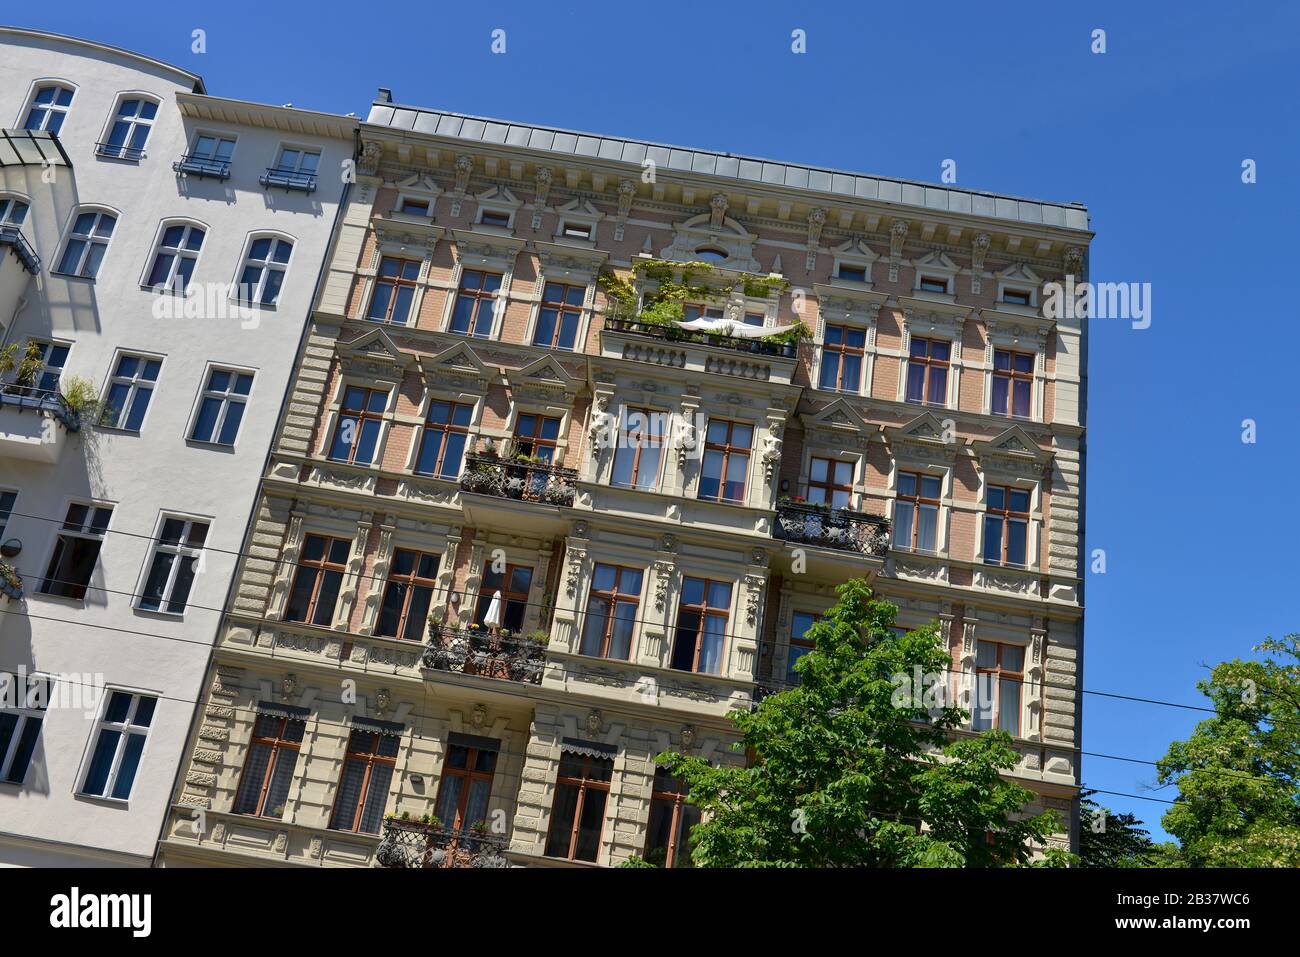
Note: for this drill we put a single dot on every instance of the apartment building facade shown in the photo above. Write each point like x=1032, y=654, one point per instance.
x=161, y=249
x=516, y=538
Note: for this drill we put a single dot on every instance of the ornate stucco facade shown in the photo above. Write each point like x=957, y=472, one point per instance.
x=461, y=297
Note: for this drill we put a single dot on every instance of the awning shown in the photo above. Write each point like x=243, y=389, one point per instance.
x=737, y=330
x=591, y=749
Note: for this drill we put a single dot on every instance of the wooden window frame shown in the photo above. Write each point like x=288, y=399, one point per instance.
x=583, y=784
x=395, y=282
x=1012, y=376
x=507, y=595
x=799, y=641
x=1006, y=514
x=318, y=567
x=563, y=308
x=704, y=609
x=445, y=428
x=372, y=758
x=536, y=440
x=630, y=441
x=915, y=503
x=727, y=450
x=678, y=801
x=362, y=415
x=613, y=597
x=929, y=362
x=467, y=775
x=277, y=743
x=999, y=673
x=478, y=295
x=924, y=278
x=412, y=582
x=830, y=486
x=843, y=349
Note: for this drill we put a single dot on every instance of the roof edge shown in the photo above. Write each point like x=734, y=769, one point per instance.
x=197, y=80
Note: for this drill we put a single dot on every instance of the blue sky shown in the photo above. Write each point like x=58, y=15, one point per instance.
x=1196, y=525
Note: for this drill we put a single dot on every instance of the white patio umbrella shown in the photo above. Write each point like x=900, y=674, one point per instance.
x=493, y=617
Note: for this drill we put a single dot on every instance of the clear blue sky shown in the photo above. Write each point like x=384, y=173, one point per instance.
x=1199, y=529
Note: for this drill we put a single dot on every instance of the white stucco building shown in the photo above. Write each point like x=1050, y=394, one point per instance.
x=122, y=181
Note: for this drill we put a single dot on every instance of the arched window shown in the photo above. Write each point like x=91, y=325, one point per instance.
x=86, y=243
x=263, y=270
x=709, y=254
x=49, y=106
x=12, y=211
x=130, y=128
x=174, y=257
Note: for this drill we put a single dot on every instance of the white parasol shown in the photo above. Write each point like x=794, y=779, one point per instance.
x=493, y=617
x=728, y=327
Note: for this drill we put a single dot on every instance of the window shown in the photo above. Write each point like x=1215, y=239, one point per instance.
x=129, y=390
x=465, y=786
x=852, y=273
x=316, y=581
x=394, y=290
x=927, y=371
x=536, y=436
x=296, y=169
x=86, y=245
x=800, y=645
x=726, y=460
x=76, y=550
x=52, y=356
x=998, y=695
x=830, y=482
x=576, y=230
x=173, y=262
x=710, y=255
x=701, y=626
x=356, y=434
x=694, y=310
x=475, y=301
x=175, y=560
x=512, y=603
x=7, y=500
x=1006, y=526
x=49, y=107
x=118, y=745
x=755, y=319
x=363, y=787
x=268, y=769
x=23, y=700
x=130, y=130
x=412, y=578
x=211, y=154
x=264, y=268
x=611, y=612
x=558, y=317
x=671, y=819
x=1013, y=382
x=221, y=407
x=1017, y=297
x=413, y=207
x=578, y=813
x=916, y=512
x=493, y=217
x=842, y=350
x=12, y=211
x=640, y=449
x=932, y=284
x=446, y=433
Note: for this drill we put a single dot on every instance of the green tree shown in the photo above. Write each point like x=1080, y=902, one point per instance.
x=1108, y=839
x=843, y=770
x=1238, y=804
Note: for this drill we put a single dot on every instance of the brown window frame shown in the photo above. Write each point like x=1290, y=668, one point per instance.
x=915, y=502
x=445, y=428
x=397, y=281
x=1007, y=513
x=372, y=758
x=362, y=415
x=411, y=581
x=467, y=775
x=562, y=309
x=677, y=798
x=704, y=609
x=276, y=743
x=799, y=641
x=929, y=361
x=727, y=449
x=507, y=595
x=830, y=487
x=1027, y=300
x=614, y=597
x=318, y=567
x=842, y=349
x=629, y=441
x=583, y=784
x=478, y=294
x=999, y=673
x=536, y=440
x=1013, y=375
x=406, y=200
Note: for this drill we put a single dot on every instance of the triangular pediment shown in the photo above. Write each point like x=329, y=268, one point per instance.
x=1014, y=443
x=421, y=183
x=936, y=260
x=547, y=372
x=582, y=209
x=1020, y=273
x=459, y=359
x=838, y=415
x=857, y=250
x=499, y=196
x=376, y=347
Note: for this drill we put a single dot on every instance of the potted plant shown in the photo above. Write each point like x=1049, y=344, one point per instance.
x=10, y=583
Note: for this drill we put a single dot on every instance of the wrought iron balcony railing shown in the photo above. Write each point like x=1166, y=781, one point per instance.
x=202, y=166
x=519, y=479
x=652, y=330
x=119, y=151
x=832, y=528
x=415, y=844
x=288, y=179
x=13, y=238
x=477, y=651
x=25, y=398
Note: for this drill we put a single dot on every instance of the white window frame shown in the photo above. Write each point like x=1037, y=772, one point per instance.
x=265, y=265
x=181, y=550
x=80, y=532
x=30, y=104
x=47, y=346
x=125, y=150
x=7, y=513
x=25, y=714
x=219, y=137
x=226, y=397
x=8, y=201
x=178, y=252
x=126, y=729
x=302, y=151
x=90, y=239
x=134, y=383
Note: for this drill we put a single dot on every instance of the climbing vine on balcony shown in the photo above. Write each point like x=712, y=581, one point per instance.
x=677, y=284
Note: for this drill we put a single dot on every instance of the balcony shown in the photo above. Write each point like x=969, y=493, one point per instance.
x=844, y=544
x=477, y=651
x=416, y=844
x=28, y=427
x=204, y=167
x=518, y=494
x=117, y=151
x=288, y=179
x=754, y=359
x=12, y=238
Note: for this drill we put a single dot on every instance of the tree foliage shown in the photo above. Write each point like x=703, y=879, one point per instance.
x=1236, y=775
x=1108, y=839
x=841, y=776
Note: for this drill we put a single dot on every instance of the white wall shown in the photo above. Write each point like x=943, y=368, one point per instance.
x=156, y=470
